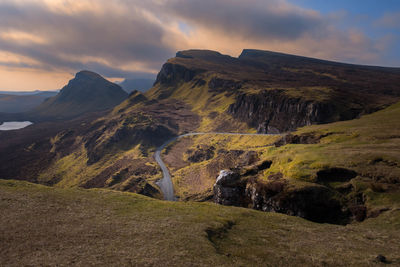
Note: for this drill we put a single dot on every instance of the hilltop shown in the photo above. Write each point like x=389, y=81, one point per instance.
x=87, y=92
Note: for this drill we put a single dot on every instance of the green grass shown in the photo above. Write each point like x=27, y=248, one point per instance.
x=198, y=178
x=72, y=170
x=369, y=145
x=52, y=226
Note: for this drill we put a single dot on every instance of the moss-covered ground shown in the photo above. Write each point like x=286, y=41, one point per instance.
x=43, y=226
x=370, y=146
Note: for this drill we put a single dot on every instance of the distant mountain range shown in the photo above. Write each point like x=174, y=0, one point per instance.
x=14, y=102
x=20, y=93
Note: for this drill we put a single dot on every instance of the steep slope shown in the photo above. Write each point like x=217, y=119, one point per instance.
x=335, y=172
x=49, y=226
x=274, y=92
x=87, y=92
x=21, y=103
x=110, y=150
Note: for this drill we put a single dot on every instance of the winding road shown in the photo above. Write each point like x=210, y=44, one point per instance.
x=165, y=183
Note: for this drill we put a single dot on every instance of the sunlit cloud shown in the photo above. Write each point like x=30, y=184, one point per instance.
x=22, y=38
x=132, y=38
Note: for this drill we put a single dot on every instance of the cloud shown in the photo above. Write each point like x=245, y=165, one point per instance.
x=389, y=20
x=254, y=19
x=231, y=25
x=114, y=37
x=133, y=38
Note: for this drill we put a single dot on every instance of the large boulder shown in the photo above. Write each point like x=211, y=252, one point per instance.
x=228, y=189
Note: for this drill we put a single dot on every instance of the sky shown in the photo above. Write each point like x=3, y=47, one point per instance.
x=43, y=43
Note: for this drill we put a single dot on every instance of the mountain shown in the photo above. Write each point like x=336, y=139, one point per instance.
x=333, y=158
x=22, y=102
x=141, y=85
x=22, y=93
x=87, y=92
x=273, y=92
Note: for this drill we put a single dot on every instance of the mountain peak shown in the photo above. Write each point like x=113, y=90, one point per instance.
x=197, y=53
x=85, y=74
x=87, y=92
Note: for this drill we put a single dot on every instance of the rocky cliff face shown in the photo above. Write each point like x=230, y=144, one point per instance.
x=173, y=73
x=311, y=201
x=228, y=190
x=276, y=92
x=274, y=112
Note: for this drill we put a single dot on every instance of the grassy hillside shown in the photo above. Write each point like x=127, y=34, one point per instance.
x=369, y=145
x=49, y=226
x=111, y=150
x=323, y=155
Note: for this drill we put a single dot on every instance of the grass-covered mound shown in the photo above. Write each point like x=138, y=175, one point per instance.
x=50, y=226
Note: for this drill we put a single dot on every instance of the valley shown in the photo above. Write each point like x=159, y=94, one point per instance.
x=304, y=151
x=199, y=133
x=165, y=183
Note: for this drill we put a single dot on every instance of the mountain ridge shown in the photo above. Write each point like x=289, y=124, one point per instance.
x=264, y=76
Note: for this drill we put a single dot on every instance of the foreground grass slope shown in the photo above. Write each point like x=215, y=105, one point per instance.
x=50, y=226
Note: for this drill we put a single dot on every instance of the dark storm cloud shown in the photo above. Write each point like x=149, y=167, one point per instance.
x=256, y=19
x=115, y=36
x=70, y=38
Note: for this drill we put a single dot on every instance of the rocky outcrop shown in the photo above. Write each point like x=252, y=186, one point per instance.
x=311, y=201
x=228, y=189
x=173, y=73
x=219, y=85
x=202, y=153
x=306, y=138
x=274, y=112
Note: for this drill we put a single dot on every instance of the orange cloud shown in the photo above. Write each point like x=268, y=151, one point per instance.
x=125, y=39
